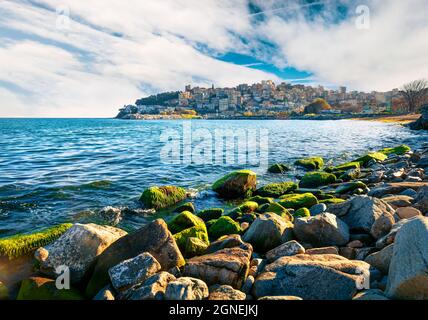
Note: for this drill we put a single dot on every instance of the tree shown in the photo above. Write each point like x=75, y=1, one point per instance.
x=317, y=106
x=415, y=94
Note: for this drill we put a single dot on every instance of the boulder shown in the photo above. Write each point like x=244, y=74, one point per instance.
x=210, y=214
x=261, y=200
x=297, y=201
x=248, y=285
x=323, y=250
x=421, y=200
x=382, y=225
x=390, y=237
x=227, y=266
x=289, y=248
x=317, y=179
x=398, y=201
x=38, y=288
x=381, y=259
x=134, y=271
x=350, y=187
x=408, y=270
x=188, y=206
x=275, y=207
x=230, y=241
x=396, y=188
x=275, y=190
x=186, y=288
x=162, y=197
x=422, y=122
x=184, y=220
x=361, y=212
x=312, y=277
x=154, y=238
x=302, y=213
x=318, y=209
x=153, y=288
x=225, y=292
x=372, y=157
x=312, y=163
x=238, y=184
x=195, y=247
x=267, y=232
x=278, y=168
x=111, y=215
x=408, y=212
x=77, y=249
x=224, y=226
x=322, y=230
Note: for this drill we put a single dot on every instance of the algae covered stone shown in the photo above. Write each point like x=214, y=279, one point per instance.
x=188, y=206
x=376, y=156
x=21, y=244
x=210, y=214
x=399, y=150
x=276, y=190
x=184, y=220
x=261, y=200
x=344, y=167
x=317, y=179
x=238, y=184
x=162, y=197
x=313, y=163
x=350, y=186
x=302, y=213
x=278, y=168
x=297, y=201
x=198, y=231
x=224, y=226
x=195, y=247
x=248, y=206
x=275, y=207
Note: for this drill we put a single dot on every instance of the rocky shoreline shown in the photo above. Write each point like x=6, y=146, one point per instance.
x=355, y=231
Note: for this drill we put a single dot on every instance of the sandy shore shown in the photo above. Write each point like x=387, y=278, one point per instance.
x=401, y=119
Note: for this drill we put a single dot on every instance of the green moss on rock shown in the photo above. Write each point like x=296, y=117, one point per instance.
x=261, y=200
x=188, y=206
x=276, y=190
x=37, y=288
x=344, y=167
x=376, y=156
x=248, y=206
x=162, y=197
x=332, y=201
x=278, y=168
x=313, y=163
x=195, y=247
x=399, y=150
x=224, y=226
x=210, y=214
x=350, y=186
x=297, y=201
x=317, y=179
x=198, y=231
x=302, y=213
x=184, y=220
x=279, y=210
x=20, y=244
x=238, y=184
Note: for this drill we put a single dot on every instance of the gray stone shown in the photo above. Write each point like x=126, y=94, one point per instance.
x=267, y=232
x=289, y=248
x=312, y=277
x=77, y=249
x=408, y=212
x=390, y=237
x=324, y=229
x=323, y=250
x=225, y=292
x=381, y=259
x=111, y=215
x=408, y=271
x=248, y=285
x=409, y=192
x=421, y=200
x=382, y=225
x=230, y=241
x=398, y=201
x=153, y=288
x=134, y=271
x=361, y=212
x=318, y=209
x=186, y=288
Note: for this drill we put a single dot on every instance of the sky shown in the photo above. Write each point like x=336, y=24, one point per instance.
x=77, y=58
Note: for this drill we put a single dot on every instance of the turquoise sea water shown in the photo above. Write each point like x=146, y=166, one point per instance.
x=58, y=170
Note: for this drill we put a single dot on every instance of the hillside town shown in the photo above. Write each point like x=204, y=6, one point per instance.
x=264, y=99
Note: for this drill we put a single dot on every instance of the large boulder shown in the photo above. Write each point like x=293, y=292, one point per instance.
x=312, y=277
x=238, y=184
x=186, y=288
x=228, y=266
x=289, y=248
x=322, y=230
x=154, y=238
x=162, y=197
x=224, y=226
x=37, y=288
x=408, y=271
x=153, y=288
x=422, y=122
x=229, y=241
x=77, y=249
x=134, y=271
x=267, y=232
x=361, y=212
x=381, y=259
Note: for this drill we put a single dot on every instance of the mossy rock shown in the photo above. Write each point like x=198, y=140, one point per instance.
x=198, y=231
x=4, y=292
x=184, y=220
x=210, y=214
x=188, y=206
x=234, y=214
x=297, y=201
x=37, y=288
x=349, y=175
x=312, y=163
x=332, y=201
x=263, y=208
x=248, y=217
x=276, y=190
x=279, y=210
x=248, y=206
x=399, y=150
x=376, y=156
x=21, y=244
x=278, y=168
x=162, y=197
x=238, y=184
x=317, y=179
x=224, y=226
x=209, y=223
x=344, y=167
x=302, y=213
x=195, y=247
x=261, y=200
x=350, y=186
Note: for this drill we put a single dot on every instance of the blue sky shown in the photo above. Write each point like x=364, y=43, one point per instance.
x=74, y=58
